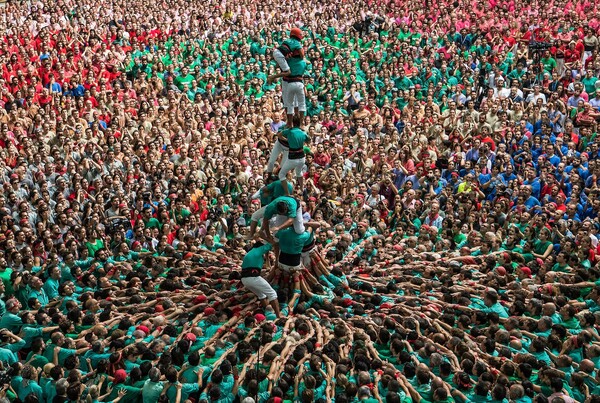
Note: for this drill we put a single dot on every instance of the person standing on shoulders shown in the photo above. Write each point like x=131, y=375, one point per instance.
x=290, y=59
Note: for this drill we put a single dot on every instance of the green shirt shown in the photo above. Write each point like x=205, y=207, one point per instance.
x=290, y=242
x=273, y=190
x=151, y=391
x=93, y=247
x=296, y=137
x=180, y=81
x=296, y=62
x=5, y=277
x=11, y=322
x=271, y=209
x=549, y=64
x=62, y=354
x=28, y=333
x=255, y=257
x=51, y=287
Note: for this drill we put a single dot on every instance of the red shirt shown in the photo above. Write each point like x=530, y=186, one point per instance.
x=322, y=159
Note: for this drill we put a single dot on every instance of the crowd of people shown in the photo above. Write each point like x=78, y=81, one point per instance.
x=409, y=213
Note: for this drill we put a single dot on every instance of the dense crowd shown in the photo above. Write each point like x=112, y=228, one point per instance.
x=450, y=188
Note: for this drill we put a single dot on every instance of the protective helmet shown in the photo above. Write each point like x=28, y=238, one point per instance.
x=297, y=33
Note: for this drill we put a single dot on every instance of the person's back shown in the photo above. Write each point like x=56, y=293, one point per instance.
x=290, y=242
x=292, y=49
x=152, y=387
x=296, y=137
x=151, y=391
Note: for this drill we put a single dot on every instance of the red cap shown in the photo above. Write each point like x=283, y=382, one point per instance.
x=526, y=270
x=200, y=299
x=385, y=306
x=120, y=376
x=159, y=308
x=209, y=311
x=260, y=317
x=136, y=244
x=190, y=337
x=297, y=33
x=143, y=329
x=501, y=270
x=346, y=302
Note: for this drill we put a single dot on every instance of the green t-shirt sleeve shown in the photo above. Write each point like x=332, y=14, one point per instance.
x=270, y=210
x=265, y=248
x=14, y=347
x=64, y=353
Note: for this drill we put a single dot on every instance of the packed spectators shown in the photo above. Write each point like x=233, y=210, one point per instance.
x=450, y=193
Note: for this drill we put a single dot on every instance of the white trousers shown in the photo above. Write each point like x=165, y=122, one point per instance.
x=289, y=165
x=278, y=149
x=260, y=287
x=289, y=269
x=293, y=96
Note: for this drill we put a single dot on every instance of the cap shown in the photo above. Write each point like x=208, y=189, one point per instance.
x=526, y=271
x=190, y=337
x=209, y=311
x=136, y=244
x=200, y=299
x=297, y=33
x=260, y=317
x=120, y=376
x=143, y=329
x=501, y=270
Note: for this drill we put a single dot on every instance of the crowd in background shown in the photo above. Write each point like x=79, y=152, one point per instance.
x=453, y=172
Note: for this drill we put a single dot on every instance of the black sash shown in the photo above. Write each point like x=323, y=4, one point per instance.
x=250, y=272
x=290, y=260
x=296, y=154
x=293, y=79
